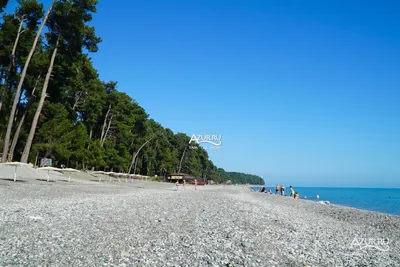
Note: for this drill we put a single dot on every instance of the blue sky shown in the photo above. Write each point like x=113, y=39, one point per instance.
x=302, y=92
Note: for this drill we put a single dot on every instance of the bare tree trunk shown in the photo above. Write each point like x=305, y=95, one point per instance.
x=135, y=154
x=77, y=98
x=27, y=149
x=21, y=82
x=183, y=155
x=16, y=135
x=21, y=122
x=106, y=133
x=12, y=62
x=132, y=162
x=90, y=138
x=105, y=123
x=136, y=161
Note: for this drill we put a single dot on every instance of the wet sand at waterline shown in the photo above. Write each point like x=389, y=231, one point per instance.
x=89, y=223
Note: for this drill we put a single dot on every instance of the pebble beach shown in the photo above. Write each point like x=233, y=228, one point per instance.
x=90, y=223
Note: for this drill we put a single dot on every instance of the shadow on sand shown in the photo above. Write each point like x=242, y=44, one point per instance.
x=12, y=180
x=44, y=180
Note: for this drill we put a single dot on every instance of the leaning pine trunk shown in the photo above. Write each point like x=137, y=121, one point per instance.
x=180, y=162
x=134, y=155
x=21, y=82
x=134, y=170
x=21, y=122
x=12, y=62
x=132, y=162
x=106, y=133
x=27, y=149
x=105, y=123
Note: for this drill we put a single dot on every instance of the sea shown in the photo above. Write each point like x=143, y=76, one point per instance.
x=384, y=200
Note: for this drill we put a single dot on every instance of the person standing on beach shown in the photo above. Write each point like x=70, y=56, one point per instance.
x=176, y=186
x=195, y=185
x=283, y=190
x=276, y=189
x=317, y=197
x=184, y=185
x=291, y=191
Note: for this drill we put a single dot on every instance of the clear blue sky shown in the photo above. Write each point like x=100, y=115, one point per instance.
x=302, y=92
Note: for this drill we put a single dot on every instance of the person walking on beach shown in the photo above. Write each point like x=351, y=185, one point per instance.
x=195, y=185
x=291, y=191
x=276, y=189
x=184, y=185
x=283, y=190
x=176, y=186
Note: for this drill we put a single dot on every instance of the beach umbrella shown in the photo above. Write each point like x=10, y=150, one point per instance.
x=118, y=175
x=110, y=174
x=69, y=170
x=124, y=175
x=16, y=165
x=141, y=176
x=99, y=172
x=102, y=172
x=48, y=169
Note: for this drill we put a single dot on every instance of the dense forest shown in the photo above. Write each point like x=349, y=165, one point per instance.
x=53, y=104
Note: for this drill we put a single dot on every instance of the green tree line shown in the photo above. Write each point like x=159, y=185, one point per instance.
x=53, y=104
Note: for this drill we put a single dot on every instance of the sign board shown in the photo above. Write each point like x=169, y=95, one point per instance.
x=46, y=162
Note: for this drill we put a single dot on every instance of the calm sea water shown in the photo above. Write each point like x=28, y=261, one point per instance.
x=384, y=200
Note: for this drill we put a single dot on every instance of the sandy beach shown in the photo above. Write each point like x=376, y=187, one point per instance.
x=87, y=223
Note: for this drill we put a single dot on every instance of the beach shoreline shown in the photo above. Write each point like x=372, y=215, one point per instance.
x=89, y=223
x=381, y=200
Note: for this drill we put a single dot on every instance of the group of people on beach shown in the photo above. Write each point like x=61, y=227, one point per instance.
x=280, y=190
x=185, y=185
